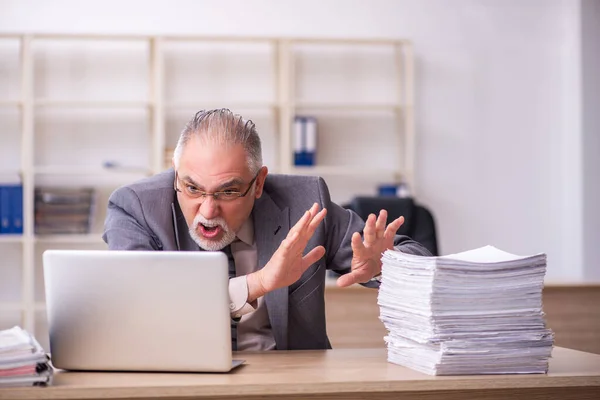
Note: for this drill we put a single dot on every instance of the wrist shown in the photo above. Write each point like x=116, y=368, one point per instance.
x=378, y=270
x=256, y=288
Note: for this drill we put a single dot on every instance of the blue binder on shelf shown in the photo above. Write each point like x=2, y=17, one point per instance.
x=305, y=140
x=5, y=213
x=11, y=206
x=17, y=209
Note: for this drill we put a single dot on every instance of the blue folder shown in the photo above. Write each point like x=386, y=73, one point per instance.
x=11, y=209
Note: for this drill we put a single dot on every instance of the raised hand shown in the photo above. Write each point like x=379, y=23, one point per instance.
x=366, y=253
x=287, y=264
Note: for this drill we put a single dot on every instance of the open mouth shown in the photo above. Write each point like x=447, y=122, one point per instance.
x=209, y=231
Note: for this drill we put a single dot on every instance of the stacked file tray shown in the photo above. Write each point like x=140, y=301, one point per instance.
x=64, y=210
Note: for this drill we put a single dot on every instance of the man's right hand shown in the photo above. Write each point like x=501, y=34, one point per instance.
x=287, y=264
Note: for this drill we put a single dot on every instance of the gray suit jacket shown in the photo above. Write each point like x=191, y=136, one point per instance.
x=146, y=216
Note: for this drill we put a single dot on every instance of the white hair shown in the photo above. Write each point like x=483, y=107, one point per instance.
x=223, y=127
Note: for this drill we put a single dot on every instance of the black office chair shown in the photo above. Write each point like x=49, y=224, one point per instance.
x=418, y=220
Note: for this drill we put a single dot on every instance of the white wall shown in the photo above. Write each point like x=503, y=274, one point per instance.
x=498, y=100
x=590, y=46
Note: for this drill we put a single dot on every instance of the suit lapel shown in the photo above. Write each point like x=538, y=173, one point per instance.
x=271, y=226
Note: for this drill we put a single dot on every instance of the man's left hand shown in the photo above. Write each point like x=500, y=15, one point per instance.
x=366, y=258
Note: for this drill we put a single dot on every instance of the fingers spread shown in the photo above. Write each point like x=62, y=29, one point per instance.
x=313, y=210
x=302, y=231
x=301, y=223
x=358, y=248
x=345, y=280
x=380, y=224
x=289, y=241
x=369, y=233
x=314, y=223
x=352, y=278
x=393, y=227
x=305, y=219
x=313, y=256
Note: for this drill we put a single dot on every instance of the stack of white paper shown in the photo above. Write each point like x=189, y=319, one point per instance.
x=23, y=362
x=477, y=312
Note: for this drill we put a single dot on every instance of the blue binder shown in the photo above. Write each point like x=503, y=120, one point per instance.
x=16, y=208
x=305, y=140
x=5, y=212
x=11, y=205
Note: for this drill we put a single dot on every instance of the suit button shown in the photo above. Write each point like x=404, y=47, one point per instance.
x=231, y=306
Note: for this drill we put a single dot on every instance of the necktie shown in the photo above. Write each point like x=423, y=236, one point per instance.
x=234, y=321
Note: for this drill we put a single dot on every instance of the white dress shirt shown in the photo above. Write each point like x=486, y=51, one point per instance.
x=254, y=329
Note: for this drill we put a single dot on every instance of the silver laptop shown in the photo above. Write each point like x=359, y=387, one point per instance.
x=138, y=310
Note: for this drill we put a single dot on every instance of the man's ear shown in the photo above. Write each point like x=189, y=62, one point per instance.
x=260, y=181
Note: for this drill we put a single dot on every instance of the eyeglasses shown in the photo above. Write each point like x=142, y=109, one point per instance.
x=193, y=192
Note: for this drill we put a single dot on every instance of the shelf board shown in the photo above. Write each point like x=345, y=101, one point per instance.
x=200, y=104
x=208, y=38
x=349, y=41
x=88, y=176
x=91, y=103
x=348, y=106
x=10, y=103
x=89, y=238
x=10, y=36
x=84, y=171
x=10, y=306
x=342, y=171
x=9, y=238
x=9, y=171
x=221, y=39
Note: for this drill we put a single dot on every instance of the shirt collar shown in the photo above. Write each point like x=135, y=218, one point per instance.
x=246, y=232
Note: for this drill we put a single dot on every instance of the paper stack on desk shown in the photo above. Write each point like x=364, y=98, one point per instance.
x=23, y=362
x=477, y=312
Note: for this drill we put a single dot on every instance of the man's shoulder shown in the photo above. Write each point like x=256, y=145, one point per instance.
x=295, y=188
x=292, y=183
x=277, y=180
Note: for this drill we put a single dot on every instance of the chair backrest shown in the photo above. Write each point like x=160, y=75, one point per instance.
x=419, y=223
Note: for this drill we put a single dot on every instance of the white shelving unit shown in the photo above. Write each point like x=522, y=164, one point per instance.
x=357, y=89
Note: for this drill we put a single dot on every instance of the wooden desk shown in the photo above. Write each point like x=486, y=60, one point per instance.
x=332, y=374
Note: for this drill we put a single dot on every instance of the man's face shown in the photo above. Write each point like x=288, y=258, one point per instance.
x=207, y=167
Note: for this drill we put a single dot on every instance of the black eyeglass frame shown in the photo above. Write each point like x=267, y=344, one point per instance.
x=217, y=196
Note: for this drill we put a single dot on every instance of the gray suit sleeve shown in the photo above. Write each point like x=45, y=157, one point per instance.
x=340, y=224
x=125, y=227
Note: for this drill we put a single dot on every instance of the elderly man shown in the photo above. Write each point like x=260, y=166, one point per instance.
x=281, y=232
